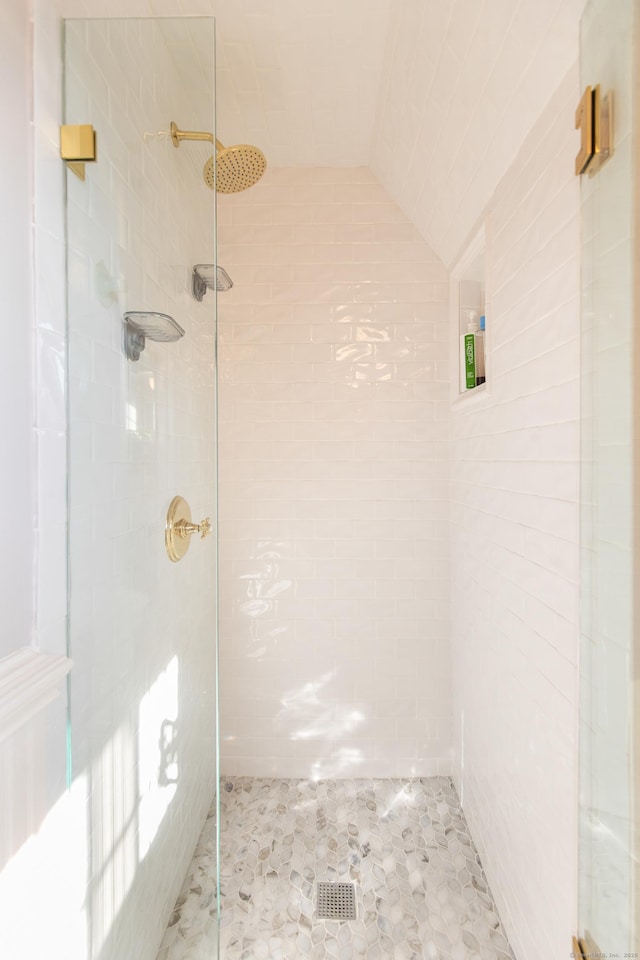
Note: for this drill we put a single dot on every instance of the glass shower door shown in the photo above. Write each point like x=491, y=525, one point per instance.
x=609, y=909
x=142, y=431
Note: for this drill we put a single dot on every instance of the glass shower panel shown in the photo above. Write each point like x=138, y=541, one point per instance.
x=142, y=431
x=608, y=918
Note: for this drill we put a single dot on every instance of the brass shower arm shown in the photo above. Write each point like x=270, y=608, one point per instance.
x=178, y=135
x=230, y=169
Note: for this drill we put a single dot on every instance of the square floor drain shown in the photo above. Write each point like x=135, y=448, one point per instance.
x=336, y=901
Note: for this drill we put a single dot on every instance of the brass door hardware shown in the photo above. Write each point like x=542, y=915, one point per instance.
x=594, y=120
x=602, y=130
x=78, y=146
x=584, y=123
x=585, y=948
x=179, y=529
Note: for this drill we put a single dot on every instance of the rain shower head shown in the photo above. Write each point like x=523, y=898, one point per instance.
x=235, y=168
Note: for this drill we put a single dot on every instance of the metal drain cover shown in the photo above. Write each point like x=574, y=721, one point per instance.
x=336, y=901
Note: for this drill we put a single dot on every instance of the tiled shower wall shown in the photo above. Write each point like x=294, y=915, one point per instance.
x=334, y=483
x=515, y=476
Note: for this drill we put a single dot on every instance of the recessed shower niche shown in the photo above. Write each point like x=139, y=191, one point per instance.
x=468, y=317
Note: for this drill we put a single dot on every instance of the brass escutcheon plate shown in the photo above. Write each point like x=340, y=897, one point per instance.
x=176, y=545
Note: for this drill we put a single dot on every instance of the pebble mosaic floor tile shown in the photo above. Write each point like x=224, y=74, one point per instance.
x=420, y=890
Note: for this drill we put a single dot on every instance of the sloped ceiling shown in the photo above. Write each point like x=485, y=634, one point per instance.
x=436, y=96
x=300, y=78
x=462, y=84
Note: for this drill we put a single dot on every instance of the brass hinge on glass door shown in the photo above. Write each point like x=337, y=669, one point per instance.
x=594, y=120
x=576, y=951
x=77, y=146
x=585, y=948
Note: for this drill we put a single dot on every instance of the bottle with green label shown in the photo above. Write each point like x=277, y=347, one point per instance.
x=469, y=352
x=472, y=372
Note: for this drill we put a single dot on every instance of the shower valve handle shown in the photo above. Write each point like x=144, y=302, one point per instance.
x=179, y=529
x=184, y=528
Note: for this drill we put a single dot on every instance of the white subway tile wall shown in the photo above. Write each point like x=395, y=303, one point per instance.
x=514, y=511
x=334, y=603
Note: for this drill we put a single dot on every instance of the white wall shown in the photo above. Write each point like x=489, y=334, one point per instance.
x=16, y=357
x=33, y=571
x=334, y=479
x=33, y=760
x=515, y=476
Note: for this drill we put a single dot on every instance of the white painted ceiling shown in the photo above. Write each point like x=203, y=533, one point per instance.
x=300, y=78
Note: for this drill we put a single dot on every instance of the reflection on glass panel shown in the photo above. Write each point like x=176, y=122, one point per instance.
x=607, y=915
x=142, y=430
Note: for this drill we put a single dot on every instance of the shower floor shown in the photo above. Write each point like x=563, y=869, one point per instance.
x=420, y=890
